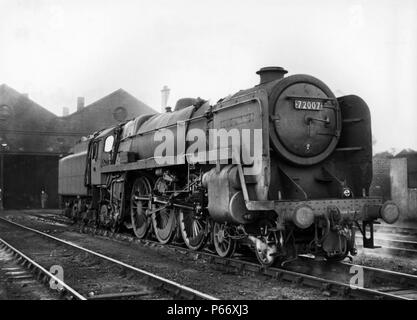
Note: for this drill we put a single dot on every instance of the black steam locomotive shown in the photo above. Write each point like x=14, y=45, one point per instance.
x=283, y=168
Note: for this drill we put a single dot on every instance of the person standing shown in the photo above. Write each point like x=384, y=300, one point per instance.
x=44, y=198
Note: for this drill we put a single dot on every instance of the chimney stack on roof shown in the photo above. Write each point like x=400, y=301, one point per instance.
x=164, y=98
x=80, y=103
x=65, y=111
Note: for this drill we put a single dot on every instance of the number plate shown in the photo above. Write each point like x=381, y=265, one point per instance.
x=308, y=105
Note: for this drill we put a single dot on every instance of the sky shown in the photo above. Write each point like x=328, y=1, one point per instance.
x=57, y=50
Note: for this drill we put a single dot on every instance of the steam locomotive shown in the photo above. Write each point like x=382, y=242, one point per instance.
x=283, y=168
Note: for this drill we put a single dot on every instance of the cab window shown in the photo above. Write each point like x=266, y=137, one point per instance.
x=95, y=149
x=108, y=144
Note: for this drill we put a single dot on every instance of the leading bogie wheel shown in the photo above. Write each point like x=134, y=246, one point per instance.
x=224, y=244
x=266, y=246
x=265, y=252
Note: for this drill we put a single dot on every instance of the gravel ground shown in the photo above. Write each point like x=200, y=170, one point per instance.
x=199, y=274
x=193, y=272
x=401, y=261
x=371, y=258
x=87, y=274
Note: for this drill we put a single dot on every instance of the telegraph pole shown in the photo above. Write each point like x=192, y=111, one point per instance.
x=1, y=178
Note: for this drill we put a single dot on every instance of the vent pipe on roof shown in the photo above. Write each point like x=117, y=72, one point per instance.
x=80, y=103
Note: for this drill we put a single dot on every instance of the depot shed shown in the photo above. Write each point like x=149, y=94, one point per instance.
x=33, y=139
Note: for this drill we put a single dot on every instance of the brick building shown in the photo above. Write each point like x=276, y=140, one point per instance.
x=403, y=175
x=411, y=158
x=32, y=140
x=395, y=178
x=381, y=183
x=113, y=108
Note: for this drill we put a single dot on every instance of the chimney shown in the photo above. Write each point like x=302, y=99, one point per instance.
x=164, y=98
x=80, y=103
x=268, y=74
x=65, y=111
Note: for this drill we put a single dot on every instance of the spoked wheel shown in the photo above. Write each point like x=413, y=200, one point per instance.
x=177, y=234
x=336, y=258
x=104, y=216
x=74, y=211
x=68, y=211
x=139, y=205
x=115, y=222
x=116, y=210
x=164, y=224
x=193, y=229
x=225, y=246
x=115, y=227
x=266, y=246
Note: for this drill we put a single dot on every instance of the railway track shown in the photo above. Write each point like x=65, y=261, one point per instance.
x=83, y=268
x=397, y=230
x=331, y=279
x=393, y=246
x=392, y=240
x=31, y=270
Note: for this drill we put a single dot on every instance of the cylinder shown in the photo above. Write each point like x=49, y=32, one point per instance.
x=238, y=213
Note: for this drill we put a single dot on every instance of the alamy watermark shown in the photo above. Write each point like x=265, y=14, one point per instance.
x=58, y=272
x=236, y=146
x=357, y=280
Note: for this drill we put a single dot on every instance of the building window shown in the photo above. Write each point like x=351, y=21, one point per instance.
x=5, y=112
x=412, y=180
x=412, y=171
x=120, y=114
